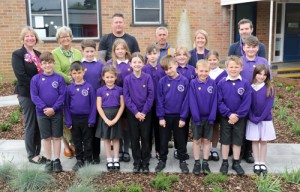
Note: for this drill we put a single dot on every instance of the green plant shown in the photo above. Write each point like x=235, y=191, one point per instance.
x=212, y=179
x=31, y=179
x=163, y=182
x=280, y=95
x=268, y=183
x=82, y=187
x=289, y=105
x=276, y=103
x=297, y=93
x=7, y=171
x=87, y=173
x=14, y=117
x=296, y=128
x=279, y=84
x=5, y=126
x=134, y=187
x=282, y=113
x=290, y=121
x=289, y=88
x=292, y=177
x=117, y=188
x=15, y=82
x=217, y=189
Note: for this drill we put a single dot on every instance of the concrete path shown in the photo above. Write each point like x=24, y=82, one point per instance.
x=8, y=100
x=280, y=157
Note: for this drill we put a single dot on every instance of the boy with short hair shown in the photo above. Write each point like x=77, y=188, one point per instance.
x=154, y=69
x=47, y=93
x=203, y=107
x=172, y=109
x=93, y=70
x=234, y=100
x=80, y=113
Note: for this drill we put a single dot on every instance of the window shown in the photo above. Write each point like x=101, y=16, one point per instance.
x=82, y=16
x=147, y=12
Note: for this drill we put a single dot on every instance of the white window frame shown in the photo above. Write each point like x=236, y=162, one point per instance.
x=65, y=18
x=148, y=23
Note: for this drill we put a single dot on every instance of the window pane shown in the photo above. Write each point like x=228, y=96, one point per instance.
x=147, y=15
x=147, y=4
x=83, y=18
x=45, y=7
x=50, y=24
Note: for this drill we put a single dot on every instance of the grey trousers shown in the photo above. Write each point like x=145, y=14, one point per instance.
x=32, y=132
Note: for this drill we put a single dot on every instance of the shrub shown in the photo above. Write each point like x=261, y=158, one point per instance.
x=14, y=117
x=282, y=113
x=268, y=183
x=82, y=187
x=31, y=179
x=212, y=179
x=297, y=93
x=296, y=128
x=290, y=121
x=5, y=126
x=279, y=84
x=117, y=188
x=7, y=171
x=289, y=88
x=163, y=182
x=134, y=187
x=292, y=177
x=87, y=173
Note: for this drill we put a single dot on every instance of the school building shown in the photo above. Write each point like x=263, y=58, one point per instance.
x=92, y=19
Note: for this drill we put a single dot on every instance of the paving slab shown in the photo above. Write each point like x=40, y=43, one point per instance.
x=8, y=101
x=280, y=157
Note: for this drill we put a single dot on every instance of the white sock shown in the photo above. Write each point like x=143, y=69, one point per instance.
x=109, y=160
x=116, y=159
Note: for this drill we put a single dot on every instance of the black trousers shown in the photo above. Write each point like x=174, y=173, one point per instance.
x=154, y=129
x=82, y=137
x=179, y=134
x=140, y=131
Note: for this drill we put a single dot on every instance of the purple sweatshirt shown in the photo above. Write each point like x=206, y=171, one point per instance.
x=188, y=71
x=93, y=73
x=234, y=96
x=48, y=91
x=138, y=93
x=156, y=73
x=110, y=97
x=261, y=106
x=248, y=67
x=123, y=70
x=203, y=100
x=172, y=97
x=81, y=102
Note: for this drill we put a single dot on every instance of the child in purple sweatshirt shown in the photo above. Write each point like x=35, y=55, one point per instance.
x=260, y=128
x=234, y=100
x=47, y=93
x=172, y=110
x=138, y=93
x=80, y=112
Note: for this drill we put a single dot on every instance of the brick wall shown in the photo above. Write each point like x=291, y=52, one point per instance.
x=208, y=15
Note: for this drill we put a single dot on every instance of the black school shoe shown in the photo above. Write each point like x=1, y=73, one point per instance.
x=145, y=169
x=205, y=168
x=78, y=165
x=263, y=169
x=238, y=168
x=224, y=168
x=57, y=168
x=186, y=156
x=160, y=166
x=184, y=167
x=256, y=169
x=197, y=168
x=49, y=166
x=248, y=157
x=136, y=168
x=213, y=156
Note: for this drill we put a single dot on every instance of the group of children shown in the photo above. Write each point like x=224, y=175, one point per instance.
x=159, y=97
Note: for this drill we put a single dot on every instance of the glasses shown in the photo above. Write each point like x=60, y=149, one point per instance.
x=65, y=37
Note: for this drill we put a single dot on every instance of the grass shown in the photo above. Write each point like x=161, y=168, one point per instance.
x=164, y=182
x=31, y=179
x=296, y=129
x=268, y=183
x=282, y=113
x=14, y=117
x=292, y=177
x=212, y=179
x=5, y=126
x=87, y=174
x=7, y=171
x=133, y=187
x=82, y=187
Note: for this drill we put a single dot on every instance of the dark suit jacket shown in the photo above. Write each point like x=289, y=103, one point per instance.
x=24, y=71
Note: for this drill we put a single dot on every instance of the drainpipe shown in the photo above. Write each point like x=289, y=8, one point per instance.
x=230, y=24
x=270, y=32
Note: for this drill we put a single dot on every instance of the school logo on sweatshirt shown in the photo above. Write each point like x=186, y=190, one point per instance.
x=55, y=84
x=85, y=92
x=180, y=88
x=241, y=91
x=210, y=89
